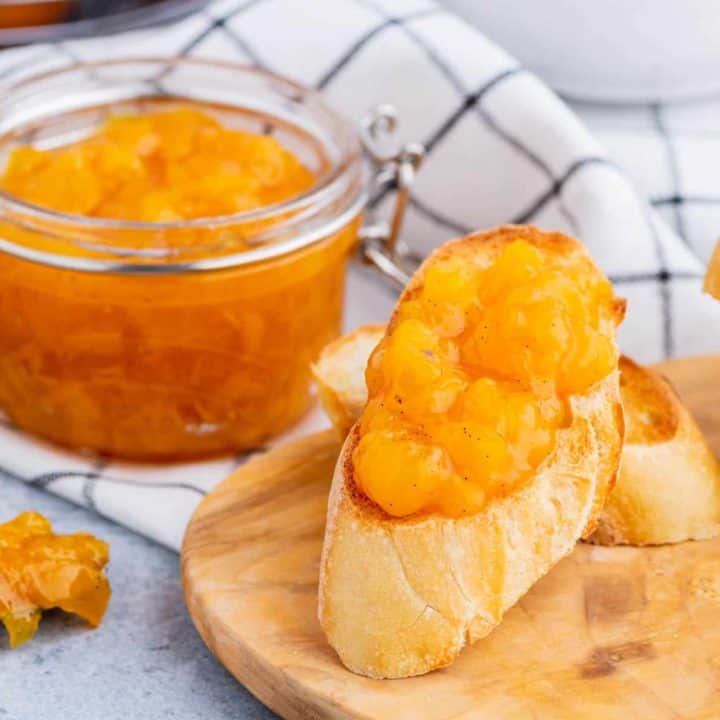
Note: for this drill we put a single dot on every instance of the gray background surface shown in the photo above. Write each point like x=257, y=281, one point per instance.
x=145, y=661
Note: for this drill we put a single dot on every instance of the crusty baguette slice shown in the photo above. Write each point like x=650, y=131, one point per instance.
x=401, y=597
x=668, y=487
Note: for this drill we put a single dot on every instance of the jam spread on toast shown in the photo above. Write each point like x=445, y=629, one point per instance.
x=471, y=382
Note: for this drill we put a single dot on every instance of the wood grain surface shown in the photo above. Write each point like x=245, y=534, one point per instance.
x=609, y=633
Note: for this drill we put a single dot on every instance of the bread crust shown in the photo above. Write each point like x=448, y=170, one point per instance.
x=668, y=487
x=402, y=596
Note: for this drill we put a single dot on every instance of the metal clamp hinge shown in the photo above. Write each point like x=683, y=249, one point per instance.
x=380, y=243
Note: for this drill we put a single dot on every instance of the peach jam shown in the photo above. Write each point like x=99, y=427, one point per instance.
x=40, y=570
x=169, y=266
x=470, y=384
x=158, y=167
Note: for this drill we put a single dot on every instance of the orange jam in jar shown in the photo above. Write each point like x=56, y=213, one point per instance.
x=170, y=265
x=161, y=166
x=471, y=382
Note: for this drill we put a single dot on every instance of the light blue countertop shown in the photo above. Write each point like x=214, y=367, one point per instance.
x=145, y=661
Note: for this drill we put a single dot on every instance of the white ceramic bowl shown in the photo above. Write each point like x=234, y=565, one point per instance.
x=614, y=50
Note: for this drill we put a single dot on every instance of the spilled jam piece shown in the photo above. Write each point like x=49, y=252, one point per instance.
x=40, y=570
x=158, y=167
x=470, y=384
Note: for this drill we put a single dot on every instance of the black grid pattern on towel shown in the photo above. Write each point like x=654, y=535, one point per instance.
x=658, y=112
x=687, y=136
x=656, y=119
x=681, y=204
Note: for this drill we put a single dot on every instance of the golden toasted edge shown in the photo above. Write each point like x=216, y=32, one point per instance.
x=668, y=487
x=652, y=407
x=362, y=557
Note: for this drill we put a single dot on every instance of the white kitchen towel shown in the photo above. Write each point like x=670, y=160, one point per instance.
x=502, y=147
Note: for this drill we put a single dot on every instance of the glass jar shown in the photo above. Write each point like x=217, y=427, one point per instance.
x=161, y=341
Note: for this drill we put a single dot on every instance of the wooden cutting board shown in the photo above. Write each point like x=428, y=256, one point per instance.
x=610, y=633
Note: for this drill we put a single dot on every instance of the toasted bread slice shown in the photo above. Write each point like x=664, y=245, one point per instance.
x=668, y=487
x=402, y=596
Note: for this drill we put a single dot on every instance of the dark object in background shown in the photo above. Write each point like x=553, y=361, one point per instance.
x=28, y=21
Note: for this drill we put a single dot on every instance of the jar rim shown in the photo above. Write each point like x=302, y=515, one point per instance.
x=327, y=186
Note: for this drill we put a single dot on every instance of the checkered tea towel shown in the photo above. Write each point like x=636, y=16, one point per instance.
x=501, y=148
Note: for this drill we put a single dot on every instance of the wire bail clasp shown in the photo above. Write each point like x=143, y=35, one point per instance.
x=380, y=243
